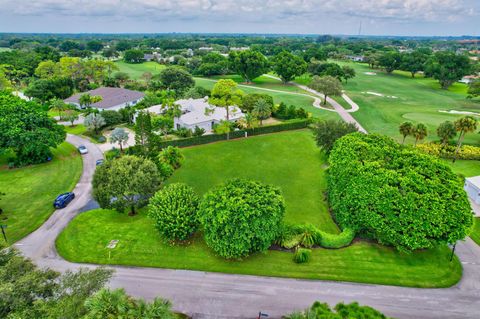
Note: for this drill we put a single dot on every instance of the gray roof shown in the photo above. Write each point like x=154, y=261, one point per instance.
x=110, y=97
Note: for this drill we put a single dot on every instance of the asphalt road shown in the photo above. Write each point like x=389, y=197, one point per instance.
x=215, y=295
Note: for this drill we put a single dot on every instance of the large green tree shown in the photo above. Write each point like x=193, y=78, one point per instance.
x=414, y=62
x=177, y=79
x=326, y=85
x=47, y=89
x=380, y=189
x=225, y=94
x=248, y=64
x=125, y=183
x=133, y=56
x=447, y=67
x=288, y=66
x=390, y=61
x=143, y=131
x=27, y=130
x=241, y=217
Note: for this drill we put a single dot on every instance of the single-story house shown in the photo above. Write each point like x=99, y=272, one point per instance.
x=112, y=98
x=472, y=187
x=356, y=58
x=467, y=79
x=198, y=112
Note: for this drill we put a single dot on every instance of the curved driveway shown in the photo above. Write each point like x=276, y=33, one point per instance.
x=215, y=295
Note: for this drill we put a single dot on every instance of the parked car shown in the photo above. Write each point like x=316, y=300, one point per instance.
x=99, y=162
x=82, y=149
x=63, y=200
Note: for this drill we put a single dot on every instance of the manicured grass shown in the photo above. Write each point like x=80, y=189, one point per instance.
x=30, y=191
x=289, y=160
x=292, y=96
x=86, y=237
x=418, y=100
x=475, y=235
x=136, y=70
x=464, y=167
x=78, y=129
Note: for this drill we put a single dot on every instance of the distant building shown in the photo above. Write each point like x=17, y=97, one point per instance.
x=198, y=112
x=356, y=58
x=472, y=187
x=205, y=48
x=112, y=98
x=155, y=56
x=239, y=48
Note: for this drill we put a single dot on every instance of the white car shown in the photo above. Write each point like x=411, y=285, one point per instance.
x=82, y=149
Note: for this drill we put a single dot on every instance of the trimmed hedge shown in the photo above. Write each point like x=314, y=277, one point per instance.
x=205, y=139
x=307, y=235
x=467, y=152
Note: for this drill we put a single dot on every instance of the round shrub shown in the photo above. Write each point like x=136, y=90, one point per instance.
x=174, y=209
x=241, y=217
x=396, y=195
x=302, y=255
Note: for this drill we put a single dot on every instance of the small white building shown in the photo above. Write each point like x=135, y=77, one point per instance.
x=198, y=112
x=472, y=187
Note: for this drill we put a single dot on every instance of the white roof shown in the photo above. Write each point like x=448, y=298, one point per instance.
x=199, y=110
x=474, y=181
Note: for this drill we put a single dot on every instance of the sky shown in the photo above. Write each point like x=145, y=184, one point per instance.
x=376, y=17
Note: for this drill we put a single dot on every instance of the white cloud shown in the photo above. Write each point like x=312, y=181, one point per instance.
x=250, y=10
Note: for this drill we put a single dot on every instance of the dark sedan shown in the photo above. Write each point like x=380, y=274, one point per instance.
x=63, y=200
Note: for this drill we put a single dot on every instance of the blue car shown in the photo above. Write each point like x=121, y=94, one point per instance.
x=63, y=200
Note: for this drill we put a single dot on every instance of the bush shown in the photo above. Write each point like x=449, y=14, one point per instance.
x=327, y=132
x=112, y=117
x=322, y=311
x=250, y=100
x=302, y=255
x=308, y=235
x=174, y=209
x=395, y=194
x=172, y=156
x=291, y=112
x=241, y=217
x=467, y=152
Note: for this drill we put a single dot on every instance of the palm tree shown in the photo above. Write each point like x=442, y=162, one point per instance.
x=464, y=125
x=406, y=129
x=249, y=121
x=120, y=136
x=446, y=131
x=420, y=132
x=262, y=110
x=85, y=100
x=59, y=105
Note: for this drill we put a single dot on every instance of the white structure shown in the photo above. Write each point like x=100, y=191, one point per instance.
x=472, y=187
x=198, y=112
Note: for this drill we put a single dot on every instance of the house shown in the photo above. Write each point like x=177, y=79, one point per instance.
x=469, y=79
x=472, y=187
x=356, y=58
x=198, y=112
x=112, y=98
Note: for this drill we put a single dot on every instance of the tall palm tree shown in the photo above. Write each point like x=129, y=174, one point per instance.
x=406, y=129
x=446, y=131
x=262, y=110
x=464, y=125
x=420, y=132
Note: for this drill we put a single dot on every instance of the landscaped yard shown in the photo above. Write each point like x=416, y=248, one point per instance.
x=135, y=70
x=416, y=100
x=289, y=160
x=30, y=191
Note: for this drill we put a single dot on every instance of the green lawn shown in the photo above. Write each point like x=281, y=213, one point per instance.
x=292, y=96
x=464, y=167
x=136, y=70
x=30, y=191
x=289, y=160
x=78, y=129
x=417, y=100
x=475, y=235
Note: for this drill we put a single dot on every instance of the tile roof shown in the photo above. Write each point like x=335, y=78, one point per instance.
x=110, y=97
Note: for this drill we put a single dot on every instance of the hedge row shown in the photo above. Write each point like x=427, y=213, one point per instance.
x=307, y=235
x=467, y=152
x=205, y=139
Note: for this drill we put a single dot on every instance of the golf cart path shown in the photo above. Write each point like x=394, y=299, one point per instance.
x=215, y=295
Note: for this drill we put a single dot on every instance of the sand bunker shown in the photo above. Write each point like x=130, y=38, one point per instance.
x=459, y=112
x=370, y=73
x=380, y=94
